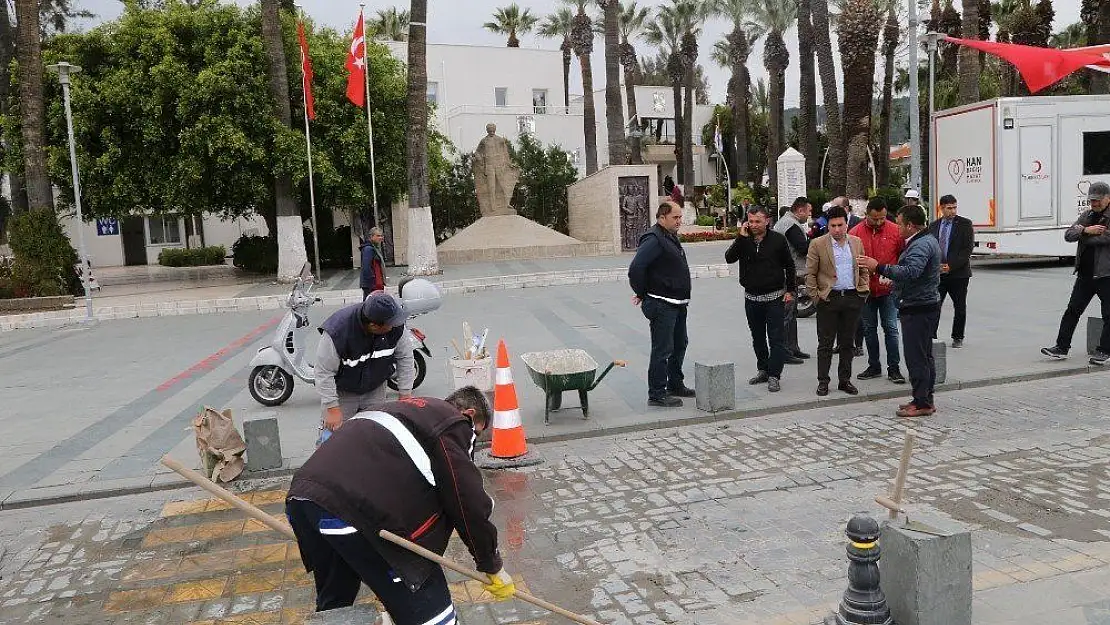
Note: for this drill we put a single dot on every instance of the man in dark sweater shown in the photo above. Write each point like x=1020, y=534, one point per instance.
x=405, y=467
x=769, y=278
x=660, y=278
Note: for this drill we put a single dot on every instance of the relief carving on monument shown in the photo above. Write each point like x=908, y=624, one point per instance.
x=495, y=175
x=635, y=206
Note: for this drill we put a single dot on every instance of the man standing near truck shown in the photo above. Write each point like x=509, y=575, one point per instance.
x=1092, y=269
x=957, y=240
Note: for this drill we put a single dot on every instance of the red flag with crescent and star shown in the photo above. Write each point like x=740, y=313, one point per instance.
x=1040, y=67
x=306, y=73
x=356, y=65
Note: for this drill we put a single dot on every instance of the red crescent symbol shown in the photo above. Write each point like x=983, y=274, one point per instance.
x=1037, y=166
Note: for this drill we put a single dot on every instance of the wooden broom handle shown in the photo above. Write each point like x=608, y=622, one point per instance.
x=255, y=513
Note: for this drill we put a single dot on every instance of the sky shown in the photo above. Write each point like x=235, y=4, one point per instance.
x=460, y=21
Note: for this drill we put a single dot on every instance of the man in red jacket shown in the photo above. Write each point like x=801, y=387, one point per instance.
x=405, y=467
x=882, y=241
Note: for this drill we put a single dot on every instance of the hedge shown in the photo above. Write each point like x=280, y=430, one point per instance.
x=197, y=257
x=702, y=237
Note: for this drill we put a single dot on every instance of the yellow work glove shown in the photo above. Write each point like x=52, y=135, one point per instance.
x=501, y=585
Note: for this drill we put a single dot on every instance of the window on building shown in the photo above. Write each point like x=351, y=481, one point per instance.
x=433, y=93
x=164, y=230
x=501, y=96
x=539, y=101
x=1096, y=153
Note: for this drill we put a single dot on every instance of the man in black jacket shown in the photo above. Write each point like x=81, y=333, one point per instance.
x=957, y=241
x=405, y=467
x=660, y=278
x=768, y=275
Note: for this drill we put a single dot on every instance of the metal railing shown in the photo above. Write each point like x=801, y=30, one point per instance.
x=574, y=110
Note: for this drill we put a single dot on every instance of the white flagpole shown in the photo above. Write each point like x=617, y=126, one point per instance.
x=311, y=185
x=369, y=119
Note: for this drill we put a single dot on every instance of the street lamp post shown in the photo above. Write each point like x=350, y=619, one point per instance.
x=64, y=70
x=932, y=38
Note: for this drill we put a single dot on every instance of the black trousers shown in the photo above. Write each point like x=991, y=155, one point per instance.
x=918, y=329
x=341, y=563
x=765, y=320
x=1082, y=293
x=668, y=346
x=837, y=320
x=956, y=288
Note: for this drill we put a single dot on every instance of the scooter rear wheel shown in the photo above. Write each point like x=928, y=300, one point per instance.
x=270, y=385
x=421, y=372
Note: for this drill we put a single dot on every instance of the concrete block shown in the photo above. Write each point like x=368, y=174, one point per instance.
x=926, y=578
x=263, y=444
x=715, y=384
x=1094, y=334
x=940, y=357
x=362, y=614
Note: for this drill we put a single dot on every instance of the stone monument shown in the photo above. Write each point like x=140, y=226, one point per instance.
x=792, y=176
x=495, y=175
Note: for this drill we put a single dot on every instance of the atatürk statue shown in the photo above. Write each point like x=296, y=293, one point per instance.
x=495, y=175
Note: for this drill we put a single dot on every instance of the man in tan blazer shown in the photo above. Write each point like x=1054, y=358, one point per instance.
x=841, y=286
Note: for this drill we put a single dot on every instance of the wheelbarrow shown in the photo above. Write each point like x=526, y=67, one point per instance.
x=565, y=370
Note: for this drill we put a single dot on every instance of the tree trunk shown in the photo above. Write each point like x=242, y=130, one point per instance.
x=823, y=40
x=589, y=115
x=741, y=101
x=969, y=57
x=688, y=136
x=631, y=79
x=7, y=53
x=290, y=233
x=890, y=46
x=776, y=58
x=422, y=257
x=859, y=37
x=32, y=107
x=567, y=58
x=614, y=108
x=680, y=158
x=807, y=123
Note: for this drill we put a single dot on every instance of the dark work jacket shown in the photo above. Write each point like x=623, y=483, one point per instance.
x=961, y=243
x=364, y=475
x=365, y=359
x=766, y=267
x=372, y=274
x=660, y=267
x=1098, y=245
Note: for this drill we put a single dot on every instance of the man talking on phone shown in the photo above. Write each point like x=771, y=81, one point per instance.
x=769, y=278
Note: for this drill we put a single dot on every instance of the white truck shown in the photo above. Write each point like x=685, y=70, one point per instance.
x=1020, y=168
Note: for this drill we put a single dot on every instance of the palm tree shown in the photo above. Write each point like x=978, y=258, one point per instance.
x=291, y=251
x=666, y=33
x=422, y=256
x=633, y=20
x=761, y=98
x=775, y=17
x=561, y=24
x=694, y=15
x=582, y=41
x=512, y=21
x=1074, y=36
x=807, y=118
x=32, y=105
x=737, y=48
x=820, y=13
x=614, y=107
x=969, y=57
x=858, y=31
x=891, y=33
x=390, y=25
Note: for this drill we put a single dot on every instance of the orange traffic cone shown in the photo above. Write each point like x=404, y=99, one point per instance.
x=508, y=429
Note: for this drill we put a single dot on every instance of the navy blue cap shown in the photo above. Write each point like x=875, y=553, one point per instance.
x=382, y=308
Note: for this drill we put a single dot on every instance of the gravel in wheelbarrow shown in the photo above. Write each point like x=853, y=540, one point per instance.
x=562, y=370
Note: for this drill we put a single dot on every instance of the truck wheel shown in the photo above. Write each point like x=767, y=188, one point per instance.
x=421, y=372
x=270, y=385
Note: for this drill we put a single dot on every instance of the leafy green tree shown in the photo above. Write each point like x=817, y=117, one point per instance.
x=545, y=174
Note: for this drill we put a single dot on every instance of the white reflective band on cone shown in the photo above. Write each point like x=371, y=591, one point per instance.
x=504, y=376
x=506, y=419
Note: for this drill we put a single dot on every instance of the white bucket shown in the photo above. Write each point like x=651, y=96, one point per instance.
x=476, y=373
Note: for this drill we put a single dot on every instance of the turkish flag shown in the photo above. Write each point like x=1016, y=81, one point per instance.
x=1102, y=50
x=356, y=65
x=306, y=73
x=1040, y=67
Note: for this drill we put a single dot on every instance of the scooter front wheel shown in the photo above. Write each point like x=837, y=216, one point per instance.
x=270, y=385
x=421, y=372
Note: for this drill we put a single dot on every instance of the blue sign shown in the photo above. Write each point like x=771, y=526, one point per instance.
x=107, y=227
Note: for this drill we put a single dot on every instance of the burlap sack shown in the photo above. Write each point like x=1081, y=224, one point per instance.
x=219, y=444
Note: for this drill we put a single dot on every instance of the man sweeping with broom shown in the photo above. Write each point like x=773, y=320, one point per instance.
x=405, y=467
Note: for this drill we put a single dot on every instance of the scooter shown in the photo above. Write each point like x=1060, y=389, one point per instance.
x=275, y=365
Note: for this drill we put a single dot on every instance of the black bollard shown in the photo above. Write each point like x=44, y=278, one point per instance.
x=863, y=602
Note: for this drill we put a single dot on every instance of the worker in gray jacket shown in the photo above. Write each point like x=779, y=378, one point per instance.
x=359, y=347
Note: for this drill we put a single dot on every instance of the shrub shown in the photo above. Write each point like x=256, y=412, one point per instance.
x=702, y=237
x=44, y=262
x=256, y=254
x=7, y=287
x=706, y=220
x=198, y=257
x=817, y=198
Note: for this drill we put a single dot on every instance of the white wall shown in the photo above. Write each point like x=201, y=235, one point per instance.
x=105, y=251
x=226, y=233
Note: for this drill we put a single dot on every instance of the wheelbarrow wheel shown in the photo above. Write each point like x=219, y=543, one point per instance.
x=582, y=396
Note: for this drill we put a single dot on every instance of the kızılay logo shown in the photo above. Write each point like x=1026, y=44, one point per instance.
x=1036, y=171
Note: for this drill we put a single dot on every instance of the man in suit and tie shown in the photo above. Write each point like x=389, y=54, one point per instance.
x=957, y=240
x=840, y=285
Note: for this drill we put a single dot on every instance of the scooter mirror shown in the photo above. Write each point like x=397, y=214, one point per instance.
x=419, y=296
